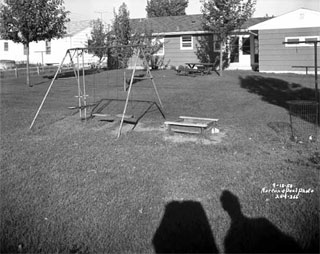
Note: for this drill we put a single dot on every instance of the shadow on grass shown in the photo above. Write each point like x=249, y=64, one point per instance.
x=40, y=83
x=71, y=74
x=184, y=229
x=253, y=235
x=280, y=92
x=276, y=91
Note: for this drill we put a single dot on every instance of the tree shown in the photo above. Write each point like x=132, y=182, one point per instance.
x=121, y=25
x=156, y=8
x=120, y=36
x=98, y=39
x=25, y=21
x=152, y=44
x=222, y=17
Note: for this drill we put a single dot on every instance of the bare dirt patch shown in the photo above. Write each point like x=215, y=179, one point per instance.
x=209, y=139
x=73, y=124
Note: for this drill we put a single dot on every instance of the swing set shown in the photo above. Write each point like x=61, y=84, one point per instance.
x=137, y=52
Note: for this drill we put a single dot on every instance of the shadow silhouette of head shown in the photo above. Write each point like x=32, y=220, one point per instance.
x=184, y=228
x=253, y=235
x=230, y=203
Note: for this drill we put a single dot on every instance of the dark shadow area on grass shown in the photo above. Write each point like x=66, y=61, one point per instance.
x=70, y=73
x=40, y=83
x=253, y=235
x=280, y=92
x=184, y=228
x=276, y=91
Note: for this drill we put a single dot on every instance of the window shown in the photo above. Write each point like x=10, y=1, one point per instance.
x=186, y=42
x=292, y=40
x=48, y=47
x=160, y=42
x=234, y=49
x=301, y=41
x=6, y=46
x=256, y=49
x=246, y=45
x=216, y=44
x=311, y=39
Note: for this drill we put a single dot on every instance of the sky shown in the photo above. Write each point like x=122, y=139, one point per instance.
x=93, y=9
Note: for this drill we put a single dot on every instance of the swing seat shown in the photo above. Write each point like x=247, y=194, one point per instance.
x=100, y=115
x=125, y=116
x=104, y=117
x=130, y=120
x=111, y=118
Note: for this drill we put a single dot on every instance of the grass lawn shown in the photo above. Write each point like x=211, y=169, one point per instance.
x=71, y=186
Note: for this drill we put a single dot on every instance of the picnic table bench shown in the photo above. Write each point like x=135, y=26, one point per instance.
x=305, y=66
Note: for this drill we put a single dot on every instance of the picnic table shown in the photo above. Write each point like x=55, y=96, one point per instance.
x=199, y=68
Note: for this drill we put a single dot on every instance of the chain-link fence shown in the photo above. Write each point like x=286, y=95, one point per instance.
x=304, y=120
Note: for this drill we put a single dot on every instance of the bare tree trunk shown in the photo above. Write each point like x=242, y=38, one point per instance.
x=221, y=59
x=28, y=70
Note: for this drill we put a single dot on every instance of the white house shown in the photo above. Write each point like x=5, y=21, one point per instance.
x=273, y=55
x=50, y=52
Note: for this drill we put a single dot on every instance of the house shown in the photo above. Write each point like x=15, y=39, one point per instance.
x=269, y=51
x=49, y=52
x=184, y=40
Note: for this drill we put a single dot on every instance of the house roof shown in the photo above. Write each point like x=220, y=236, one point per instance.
x=300, y=18
x=179, y=24
x=74, y=27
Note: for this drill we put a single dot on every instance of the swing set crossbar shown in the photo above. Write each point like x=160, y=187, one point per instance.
x=109, y=47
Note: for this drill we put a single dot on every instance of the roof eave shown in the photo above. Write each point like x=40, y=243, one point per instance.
x=181, y=33
x=238, y=31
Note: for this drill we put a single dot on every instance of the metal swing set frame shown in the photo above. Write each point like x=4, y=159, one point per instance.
x=81, y=84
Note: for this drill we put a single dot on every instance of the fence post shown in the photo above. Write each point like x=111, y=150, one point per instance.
x=16, y=72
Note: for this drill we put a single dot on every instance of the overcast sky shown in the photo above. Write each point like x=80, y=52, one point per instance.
x=93, y=9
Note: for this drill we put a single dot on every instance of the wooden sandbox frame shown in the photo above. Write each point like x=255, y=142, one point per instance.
x=192, y=125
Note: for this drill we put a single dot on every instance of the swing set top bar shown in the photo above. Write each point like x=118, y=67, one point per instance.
x=110, y=47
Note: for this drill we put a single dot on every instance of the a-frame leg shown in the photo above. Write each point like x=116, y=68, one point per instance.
x=128, y=95
x=48, y=90
x=140, y=50
x=151, y=77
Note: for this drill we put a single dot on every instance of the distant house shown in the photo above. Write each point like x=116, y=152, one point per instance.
x=184, y=40
x=269, y=52
x=49, y=52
